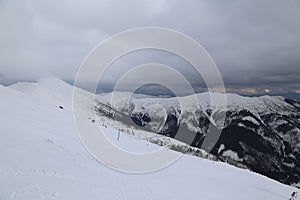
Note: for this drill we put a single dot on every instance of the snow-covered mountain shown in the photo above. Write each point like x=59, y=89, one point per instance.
x=41, y=157
x=259, y=133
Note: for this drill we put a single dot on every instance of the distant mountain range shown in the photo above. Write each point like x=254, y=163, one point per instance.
x=290, y=95
x=261, y=133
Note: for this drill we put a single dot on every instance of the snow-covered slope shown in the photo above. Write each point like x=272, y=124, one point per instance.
x=41, y=157
x=261, y=133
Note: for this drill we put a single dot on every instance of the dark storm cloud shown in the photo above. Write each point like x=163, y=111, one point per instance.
x=255, y=44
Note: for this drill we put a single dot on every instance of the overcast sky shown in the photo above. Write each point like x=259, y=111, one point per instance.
x=255, y=43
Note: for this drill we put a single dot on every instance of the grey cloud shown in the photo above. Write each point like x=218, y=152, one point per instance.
x=255, y=44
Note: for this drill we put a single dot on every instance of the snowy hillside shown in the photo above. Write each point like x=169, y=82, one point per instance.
x=259, y=133
x=41, y=157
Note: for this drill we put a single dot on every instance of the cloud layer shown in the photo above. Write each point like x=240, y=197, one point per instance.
x=255, y=44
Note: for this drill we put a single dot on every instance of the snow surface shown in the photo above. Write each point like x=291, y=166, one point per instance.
x=41, y=157
x=231, y=154
x=221, y=148
x=251, y=119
